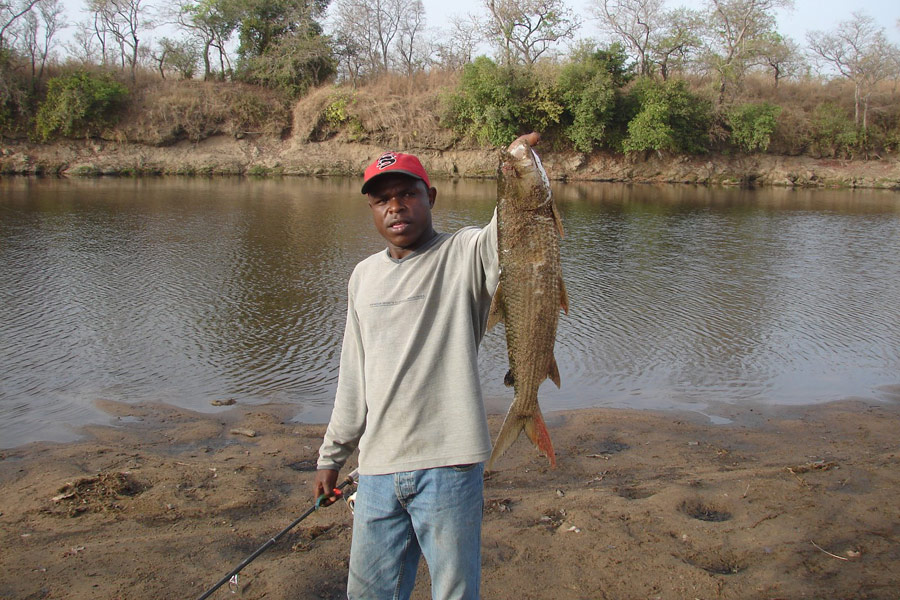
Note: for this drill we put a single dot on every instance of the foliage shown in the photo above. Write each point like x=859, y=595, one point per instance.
x=291, y=65
x=337, y=114
x=752, y=125
x=495, y=103
x=263, y=22
x=669, y=118
x=14, y=93
x=79, y=104
x=833, y=132
x=589, y=89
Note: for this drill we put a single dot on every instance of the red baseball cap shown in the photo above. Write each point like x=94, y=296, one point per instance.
x=394, y=162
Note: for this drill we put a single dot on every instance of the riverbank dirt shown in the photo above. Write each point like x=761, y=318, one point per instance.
x=262, y=156
x=798, y=503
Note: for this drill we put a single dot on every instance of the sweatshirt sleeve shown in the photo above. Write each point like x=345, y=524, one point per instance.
x=348, y=418
x=487, y=250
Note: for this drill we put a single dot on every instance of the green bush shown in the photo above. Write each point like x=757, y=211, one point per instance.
x=79, y=104
x=752, y=125
x=833, y=132
x=669, y=118
x=495, y=103
x=589, y=89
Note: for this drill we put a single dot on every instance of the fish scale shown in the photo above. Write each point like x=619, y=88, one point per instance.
x=531, y=290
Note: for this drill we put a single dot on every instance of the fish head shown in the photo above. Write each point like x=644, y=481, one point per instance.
x=522, y=178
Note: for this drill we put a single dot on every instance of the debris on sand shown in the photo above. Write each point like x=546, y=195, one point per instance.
x=101, y=492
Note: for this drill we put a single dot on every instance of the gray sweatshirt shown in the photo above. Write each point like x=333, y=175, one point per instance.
x=408, y=392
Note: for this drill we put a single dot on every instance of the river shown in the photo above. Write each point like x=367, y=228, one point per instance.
x=188, y=291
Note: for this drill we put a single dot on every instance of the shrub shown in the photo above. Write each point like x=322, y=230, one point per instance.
x=493, y=103
x=752, y=125
x=669, y=118
x=79, y=104
x=833, y=132
x=337, y=115
x=588, y=87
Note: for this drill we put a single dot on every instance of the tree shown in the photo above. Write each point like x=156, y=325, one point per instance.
x=524, y=30
x=859, y=51
x=634, y=22
x=781, y=55
x=411, y=26
x=673, y=44
x=180, y=56
x=212, y=22
x=83, y=46
x=383, y=32
x=263, y=22
x=282, y=46
x=736, y=28
x=457, y=45
x=40, y=29
x=349, y=55
x=123, y=20
x=9, y=14
x=372, y=25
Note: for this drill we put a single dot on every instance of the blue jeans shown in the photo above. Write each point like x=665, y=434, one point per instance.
x=398, y=517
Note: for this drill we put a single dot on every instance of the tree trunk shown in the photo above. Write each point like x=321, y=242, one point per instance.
x=206, y=68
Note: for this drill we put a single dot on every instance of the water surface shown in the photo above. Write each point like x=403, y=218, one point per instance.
x=191, y=290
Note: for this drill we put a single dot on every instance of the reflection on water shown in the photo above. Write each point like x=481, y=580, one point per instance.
x=188, y=291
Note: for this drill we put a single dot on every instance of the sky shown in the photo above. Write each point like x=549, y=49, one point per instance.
x=807, y=15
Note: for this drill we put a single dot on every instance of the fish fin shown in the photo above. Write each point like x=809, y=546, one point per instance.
x=535, y=429
x=512, y=426
x=537, y=432
x=508, y=379
x=563, y=296
x=495, y=314
x=558, y=219
x=554, y=371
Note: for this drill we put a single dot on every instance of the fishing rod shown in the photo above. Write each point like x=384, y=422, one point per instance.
x=349, y=480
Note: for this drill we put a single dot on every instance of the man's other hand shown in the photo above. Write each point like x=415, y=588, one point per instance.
x=326, y=481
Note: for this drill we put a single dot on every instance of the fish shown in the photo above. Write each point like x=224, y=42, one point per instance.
x=531, y=291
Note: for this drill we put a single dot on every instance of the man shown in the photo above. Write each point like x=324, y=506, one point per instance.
x=408, y=393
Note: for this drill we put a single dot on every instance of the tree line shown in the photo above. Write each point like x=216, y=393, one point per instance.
x=292, y=45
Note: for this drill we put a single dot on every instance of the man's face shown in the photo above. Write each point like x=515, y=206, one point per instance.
x=401, y=207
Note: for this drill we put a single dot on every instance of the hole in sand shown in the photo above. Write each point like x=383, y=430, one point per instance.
x=632, y=493
x=718, y=562
x=704, y=512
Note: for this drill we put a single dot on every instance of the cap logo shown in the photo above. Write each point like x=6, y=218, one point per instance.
x=386, y=160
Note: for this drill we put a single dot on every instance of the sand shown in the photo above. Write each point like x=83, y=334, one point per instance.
x=781, y=503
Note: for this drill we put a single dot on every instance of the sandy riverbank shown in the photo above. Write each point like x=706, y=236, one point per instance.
x=258, y=155
x=798, y=503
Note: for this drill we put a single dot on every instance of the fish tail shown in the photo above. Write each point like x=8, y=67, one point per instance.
x=535, y=429
x=537, y=432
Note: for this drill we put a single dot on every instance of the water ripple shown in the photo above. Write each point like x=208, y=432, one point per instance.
x=188, y=291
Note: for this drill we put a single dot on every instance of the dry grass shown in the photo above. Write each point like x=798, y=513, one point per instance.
x=164, y=112
x=391, y=111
